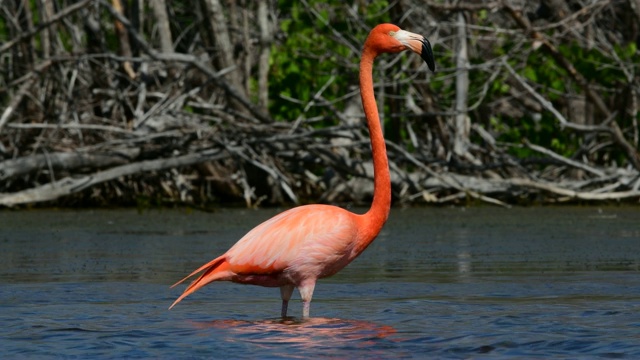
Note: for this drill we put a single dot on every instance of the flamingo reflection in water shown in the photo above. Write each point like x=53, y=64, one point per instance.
x=310, y=332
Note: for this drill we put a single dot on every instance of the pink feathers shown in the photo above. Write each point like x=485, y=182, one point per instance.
x=304, y=244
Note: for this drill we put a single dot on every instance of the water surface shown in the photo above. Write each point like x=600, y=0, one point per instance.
x=444, y=283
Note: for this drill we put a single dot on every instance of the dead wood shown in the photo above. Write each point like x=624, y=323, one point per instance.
x=173, y=119
x=69, y=185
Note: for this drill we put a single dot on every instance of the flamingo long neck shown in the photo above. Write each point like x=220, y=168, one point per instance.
x=379, y=211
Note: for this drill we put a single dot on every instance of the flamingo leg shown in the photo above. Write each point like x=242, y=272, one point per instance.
x=285, y=294
x=306, y=292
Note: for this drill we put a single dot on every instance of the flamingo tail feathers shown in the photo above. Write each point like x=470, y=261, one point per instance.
x=213, y=270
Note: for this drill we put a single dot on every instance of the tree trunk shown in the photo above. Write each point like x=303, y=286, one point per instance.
x=123, y=39
x=461, y=142
x=265, y=53
x=164, y=30
x=224, y=57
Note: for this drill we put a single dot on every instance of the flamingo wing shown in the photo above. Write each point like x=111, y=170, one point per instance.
x=305, y=239
x=307, y=242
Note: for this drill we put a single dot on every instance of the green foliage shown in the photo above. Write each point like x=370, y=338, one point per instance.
x=310, y=54
x=552, y=82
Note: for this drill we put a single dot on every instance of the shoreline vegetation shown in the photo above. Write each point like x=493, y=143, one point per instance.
x=130, y=103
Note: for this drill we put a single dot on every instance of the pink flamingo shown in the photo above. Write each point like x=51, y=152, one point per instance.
x=301, y=245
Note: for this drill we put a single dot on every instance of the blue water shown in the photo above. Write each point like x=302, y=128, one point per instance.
x=441, y=283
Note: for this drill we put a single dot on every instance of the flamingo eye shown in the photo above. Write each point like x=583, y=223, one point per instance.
x=392, y=33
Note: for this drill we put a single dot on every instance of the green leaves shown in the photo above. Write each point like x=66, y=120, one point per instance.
x=310, y=53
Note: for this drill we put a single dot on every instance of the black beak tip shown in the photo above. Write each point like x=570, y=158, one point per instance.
x=427, y=55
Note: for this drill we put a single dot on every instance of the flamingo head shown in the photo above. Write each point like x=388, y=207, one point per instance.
x=388, y=38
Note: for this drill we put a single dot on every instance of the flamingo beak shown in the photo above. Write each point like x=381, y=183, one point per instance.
x=419, y=45
x=426, y=54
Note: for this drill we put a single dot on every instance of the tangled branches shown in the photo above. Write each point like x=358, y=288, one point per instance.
x=183, y=112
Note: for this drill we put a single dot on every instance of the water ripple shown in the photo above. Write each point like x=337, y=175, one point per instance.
x=523, y=283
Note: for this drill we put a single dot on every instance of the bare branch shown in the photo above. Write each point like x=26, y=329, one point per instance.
x=54, y=19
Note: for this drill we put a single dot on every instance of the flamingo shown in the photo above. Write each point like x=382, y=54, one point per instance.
x=299, y=246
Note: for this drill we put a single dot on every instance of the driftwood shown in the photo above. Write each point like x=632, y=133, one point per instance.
x=156, y=123
x=69, y=185
x=283, y=158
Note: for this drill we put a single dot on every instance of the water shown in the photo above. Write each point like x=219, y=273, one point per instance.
x=443, y=283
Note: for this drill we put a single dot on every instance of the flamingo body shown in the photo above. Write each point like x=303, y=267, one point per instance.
x=308, y=241
x=301, y=245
